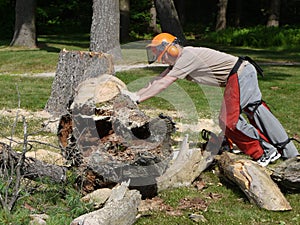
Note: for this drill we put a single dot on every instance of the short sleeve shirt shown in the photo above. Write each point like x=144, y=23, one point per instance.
x=203, y=66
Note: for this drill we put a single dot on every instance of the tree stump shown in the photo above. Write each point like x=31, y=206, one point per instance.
x=106, y=133
x=254, y=181
x=74, y=67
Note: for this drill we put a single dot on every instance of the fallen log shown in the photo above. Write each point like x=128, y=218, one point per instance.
x=254, y=181
x=120, y=209
x=287, y=175
x=33, y=169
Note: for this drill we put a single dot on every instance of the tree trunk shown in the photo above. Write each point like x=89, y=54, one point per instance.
x=124, y=20
x=74, y=67
x=274, y=12
x=238, y=11
x=221, y=16
x=254, y=181
x=105, y=29
x=153, y=20
x=169, y=19
x=25, y=30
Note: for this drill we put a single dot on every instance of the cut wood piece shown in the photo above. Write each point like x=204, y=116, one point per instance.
x=254, y=181
x=287, y=174
x=186, y=167
x=120, y=209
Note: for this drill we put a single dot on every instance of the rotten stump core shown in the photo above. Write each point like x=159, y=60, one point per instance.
x=106, y=133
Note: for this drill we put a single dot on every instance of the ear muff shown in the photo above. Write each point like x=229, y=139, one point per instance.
x=173, y=51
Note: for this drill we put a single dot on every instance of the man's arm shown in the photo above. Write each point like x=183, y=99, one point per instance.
x=156, y=86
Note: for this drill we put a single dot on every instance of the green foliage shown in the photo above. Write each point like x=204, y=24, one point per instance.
x=71, y=16
x=257, y=37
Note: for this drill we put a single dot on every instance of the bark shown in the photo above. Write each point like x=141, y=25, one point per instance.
x=74, y=67
x=105, y=28
x=25, y=30
x=287, y=175
x=274, y=13
x=221, y=16
x=254, y=181
x=169, y=19
x=34, y=169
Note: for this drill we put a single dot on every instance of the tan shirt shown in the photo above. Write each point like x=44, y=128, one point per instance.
x=204, y=66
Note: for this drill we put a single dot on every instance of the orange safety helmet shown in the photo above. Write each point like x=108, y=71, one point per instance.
x=161, y=44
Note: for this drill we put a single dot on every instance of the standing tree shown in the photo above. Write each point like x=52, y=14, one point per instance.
x=221, y=17
x=124, y=20
x=25, y=30
x=105, y=29
x=169, y=19
x=153, y=22
x=274, y=12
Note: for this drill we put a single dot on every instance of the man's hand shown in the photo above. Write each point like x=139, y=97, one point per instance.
x=132, y=95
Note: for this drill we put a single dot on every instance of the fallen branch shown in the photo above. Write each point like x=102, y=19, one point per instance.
x=32, y=168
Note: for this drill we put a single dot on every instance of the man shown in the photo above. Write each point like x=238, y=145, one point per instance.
x=264, y=138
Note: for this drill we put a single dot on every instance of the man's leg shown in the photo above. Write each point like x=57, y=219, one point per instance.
x=239, y=92
x=272, y=128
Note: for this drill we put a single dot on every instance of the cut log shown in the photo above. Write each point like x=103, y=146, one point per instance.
x=120, y=209
x=74, y=67
x=34, y=169
x=287, y=175
x=254, y=181
x=186, y=167
x=108, y=134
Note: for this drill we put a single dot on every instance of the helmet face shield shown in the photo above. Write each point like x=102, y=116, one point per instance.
x=155, y=52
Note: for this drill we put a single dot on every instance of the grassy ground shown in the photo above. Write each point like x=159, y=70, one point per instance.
x=225, y=203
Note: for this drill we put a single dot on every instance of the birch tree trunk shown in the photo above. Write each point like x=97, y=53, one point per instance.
x=221, y=17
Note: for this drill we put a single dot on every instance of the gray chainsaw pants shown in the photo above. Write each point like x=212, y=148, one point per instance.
x=261, y=118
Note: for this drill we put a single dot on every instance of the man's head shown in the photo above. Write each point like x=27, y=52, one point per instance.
x=164, y=48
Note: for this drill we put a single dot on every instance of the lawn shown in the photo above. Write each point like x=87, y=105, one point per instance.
x=225, y=203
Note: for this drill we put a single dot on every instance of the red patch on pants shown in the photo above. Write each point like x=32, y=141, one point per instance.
x=229, y=116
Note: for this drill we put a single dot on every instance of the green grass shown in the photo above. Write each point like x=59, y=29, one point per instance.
x=280, y=88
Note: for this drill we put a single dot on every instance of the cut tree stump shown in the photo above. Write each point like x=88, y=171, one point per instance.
x=254, y=181
x=74, y=67
x=107, y=134
x=287, y=175
x=120, y=209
